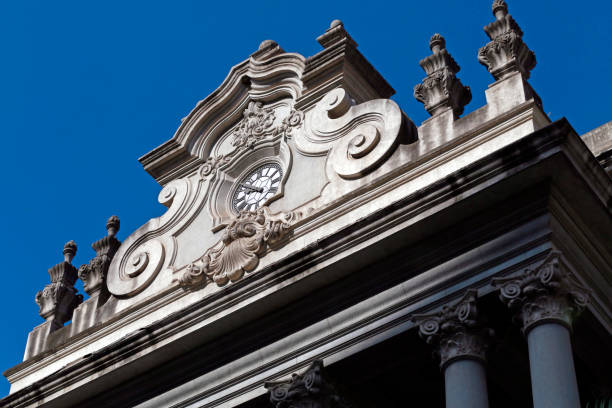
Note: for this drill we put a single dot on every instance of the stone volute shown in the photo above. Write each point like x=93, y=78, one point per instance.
x=456, y=331
x=544, y=294
x=441, y=89
x=506, y=53
x=59, y=298
x=94, y=273
x=311, y=389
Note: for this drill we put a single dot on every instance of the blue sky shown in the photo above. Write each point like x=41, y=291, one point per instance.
x=88, y=87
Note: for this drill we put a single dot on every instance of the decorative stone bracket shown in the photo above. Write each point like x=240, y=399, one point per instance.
x=457, y=331
x=58, y=299
x=244, y=241
x=312, y=389
x=543, y=294
x=506, y=53
x=94, y=273
x=441, y=89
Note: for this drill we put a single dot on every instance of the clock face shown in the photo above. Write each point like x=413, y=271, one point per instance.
x=257, y=187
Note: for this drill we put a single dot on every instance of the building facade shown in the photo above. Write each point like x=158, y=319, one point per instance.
x=322, y=250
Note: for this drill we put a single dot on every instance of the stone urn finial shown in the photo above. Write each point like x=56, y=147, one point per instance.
x=500, y=9
x=70, y=249
x=112, y=225
x=441, y=90
x=437, y=43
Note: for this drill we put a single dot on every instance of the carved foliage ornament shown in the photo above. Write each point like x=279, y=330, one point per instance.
x=244, y=241
x=358, y=138
x=308, y=390
x=506, y=53
x=543, y=294
x=257, y=124
x=59, y=298
x=94, y=273
x=441, y=89
x=456, y=331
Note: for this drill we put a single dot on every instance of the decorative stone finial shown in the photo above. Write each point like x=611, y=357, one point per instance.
x=500, y=9
x=436, y=43
x=441, y=89
x=59, y=298
x=70, y=249
x=94, y=273
x=311, y=389
x=457, y=331
x=547, y=293
x=336, y=23
x=266, y=44
x=335, y=34
x=506, y=53
x=112, y=225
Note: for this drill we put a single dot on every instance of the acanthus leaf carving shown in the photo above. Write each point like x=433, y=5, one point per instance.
x=312, y=389
x=506, y=53
x=441, y=89
x=457, y=331
x=59, y=298
x=543, y=294
x=243, y=242
x=93, y=274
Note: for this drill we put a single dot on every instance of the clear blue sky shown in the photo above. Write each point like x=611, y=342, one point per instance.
x=88, y=87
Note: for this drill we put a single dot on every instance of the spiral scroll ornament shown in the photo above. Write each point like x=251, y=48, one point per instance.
x=358, y=137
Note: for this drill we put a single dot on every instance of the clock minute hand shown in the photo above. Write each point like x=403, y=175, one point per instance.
x=252, y=188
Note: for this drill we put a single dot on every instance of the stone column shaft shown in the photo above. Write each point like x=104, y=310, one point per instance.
x=553, y=377
x=465, y=384
x=547, y=299
x=461, y=341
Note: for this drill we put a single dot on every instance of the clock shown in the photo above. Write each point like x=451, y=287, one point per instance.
x=257, y=187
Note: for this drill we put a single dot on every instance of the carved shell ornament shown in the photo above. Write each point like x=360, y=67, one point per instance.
x=358, y=137
x=242, y=244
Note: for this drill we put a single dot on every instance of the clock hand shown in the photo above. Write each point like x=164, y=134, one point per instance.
x=253, y=188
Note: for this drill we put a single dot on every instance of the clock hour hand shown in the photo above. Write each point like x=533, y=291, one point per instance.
x=253, y=188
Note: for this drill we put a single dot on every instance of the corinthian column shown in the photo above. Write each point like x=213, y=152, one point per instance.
x=460, y=339
x=547, y=300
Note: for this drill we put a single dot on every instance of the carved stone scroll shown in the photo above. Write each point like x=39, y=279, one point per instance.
x=543, y=294
x=358, y=137
x=312, y=389
x=244, y=241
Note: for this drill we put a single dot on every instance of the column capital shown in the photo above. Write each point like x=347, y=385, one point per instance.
x=547, y=293
x=457, y=331
x=311, y=389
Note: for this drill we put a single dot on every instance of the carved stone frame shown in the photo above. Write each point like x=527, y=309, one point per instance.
x=220, y=196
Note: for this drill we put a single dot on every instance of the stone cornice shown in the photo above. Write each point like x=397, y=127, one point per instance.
x=548, y=139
